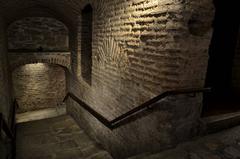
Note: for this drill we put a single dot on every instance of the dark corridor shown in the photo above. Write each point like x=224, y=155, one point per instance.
x=224, y=98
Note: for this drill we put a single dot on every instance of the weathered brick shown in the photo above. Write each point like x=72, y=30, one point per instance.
x=32, y=33
x=38, y=86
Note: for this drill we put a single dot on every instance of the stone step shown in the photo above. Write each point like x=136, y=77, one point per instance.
x=221, y=122
x=56, y=138
x=221, y=145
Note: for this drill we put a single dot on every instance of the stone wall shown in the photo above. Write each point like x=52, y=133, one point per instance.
x=34, y=32
x=39, y=86
x=140, y=49
x=5, y=80
x=236, y=68
x=5, y=93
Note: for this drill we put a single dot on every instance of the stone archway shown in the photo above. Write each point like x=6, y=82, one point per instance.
x=58, y=58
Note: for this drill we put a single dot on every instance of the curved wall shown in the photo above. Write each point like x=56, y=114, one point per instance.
x=34, y=32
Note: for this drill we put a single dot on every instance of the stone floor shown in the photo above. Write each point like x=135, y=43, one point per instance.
x=222, y=145
x=61, y=138
x=56, y=138
x=41, y=114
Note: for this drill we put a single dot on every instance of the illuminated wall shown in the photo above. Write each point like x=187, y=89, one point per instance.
x=140, y=49
x=39, y=86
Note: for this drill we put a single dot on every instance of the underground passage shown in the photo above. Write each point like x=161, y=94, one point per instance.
x=119, y=79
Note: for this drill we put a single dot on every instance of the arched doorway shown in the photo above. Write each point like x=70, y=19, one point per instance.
x=39, y=89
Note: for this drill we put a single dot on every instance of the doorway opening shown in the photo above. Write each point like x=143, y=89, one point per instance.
x=223, y=74
x=39, y=89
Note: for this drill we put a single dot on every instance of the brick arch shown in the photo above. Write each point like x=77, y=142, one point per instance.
x=19, y=59
x=41, y=12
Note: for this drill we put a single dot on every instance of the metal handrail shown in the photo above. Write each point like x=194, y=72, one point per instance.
x=122, y=119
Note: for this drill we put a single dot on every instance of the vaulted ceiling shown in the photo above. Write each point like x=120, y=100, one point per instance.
x=64, y=10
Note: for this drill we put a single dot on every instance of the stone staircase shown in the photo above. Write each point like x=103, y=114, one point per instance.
x=61, y=138
x=56, y=138
x=222, y=145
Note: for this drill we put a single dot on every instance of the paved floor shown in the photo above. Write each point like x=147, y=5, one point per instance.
x=222, y=145
x=56, y=138
x=41, y=114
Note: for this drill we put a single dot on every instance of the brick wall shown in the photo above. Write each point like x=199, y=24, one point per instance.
x=141, y=48
x=33, y=32
x=17, y=59
x=39, y=86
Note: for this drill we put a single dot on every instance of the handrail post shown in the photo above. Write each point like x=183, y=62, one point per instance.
x=13, y=127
